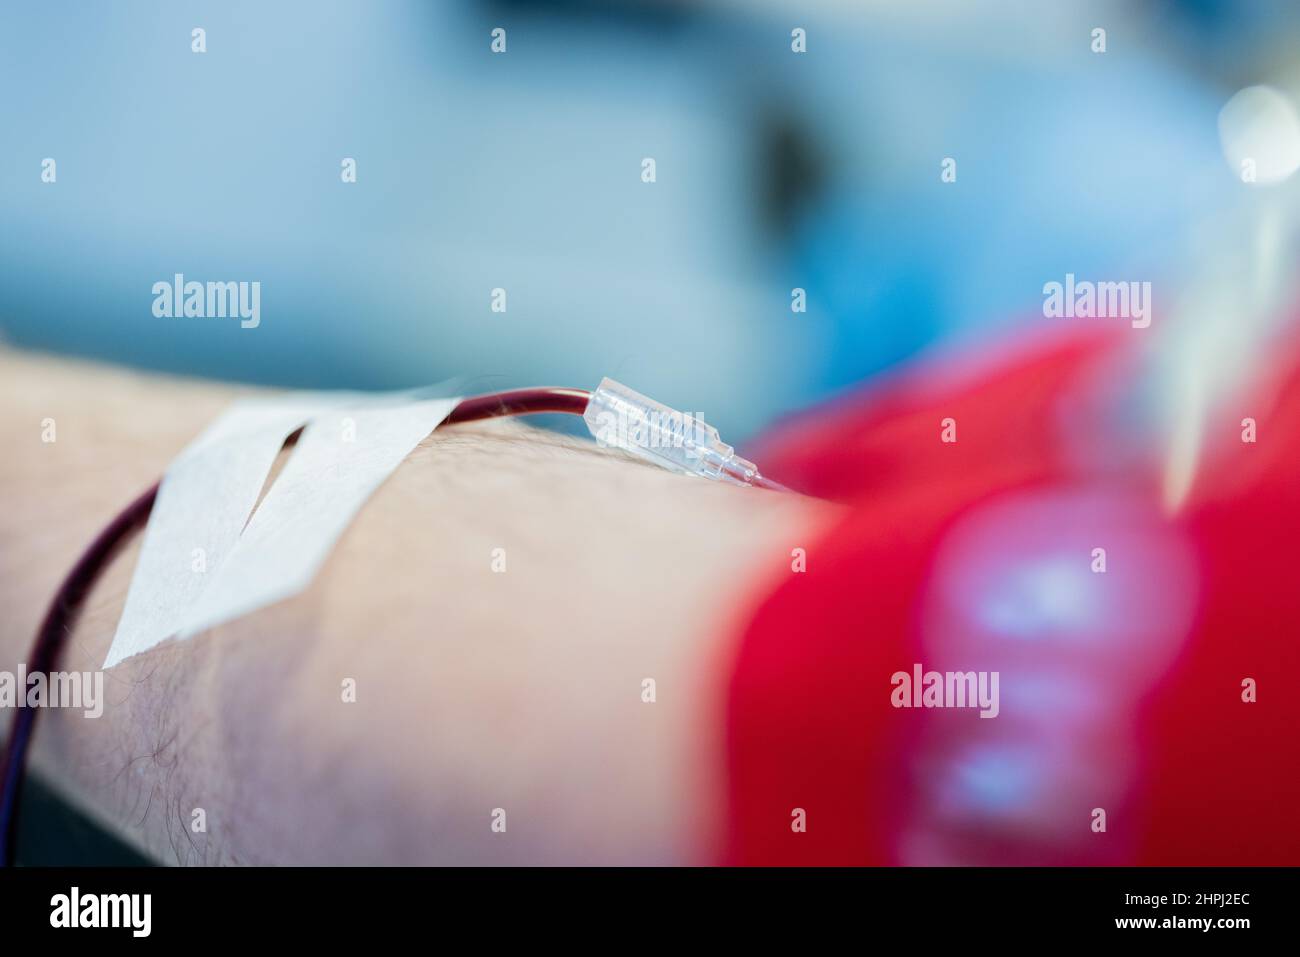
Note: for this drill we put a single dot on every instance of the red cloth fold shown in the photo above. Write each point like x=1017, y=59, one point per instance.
x=1186, y=771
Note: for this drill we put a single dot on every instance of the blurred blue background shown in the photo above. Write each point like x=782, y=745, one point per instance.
x=522, y=171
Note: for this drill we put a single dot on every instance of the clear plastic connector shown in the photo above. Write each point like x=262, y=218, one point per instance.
x=622, y=418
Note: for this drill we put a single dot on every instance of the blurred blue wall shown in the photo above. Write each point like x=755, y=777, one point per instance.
x=522, y=171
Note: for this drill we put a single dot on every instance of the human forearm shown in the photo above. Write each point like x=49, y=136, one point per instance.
x=475, y=689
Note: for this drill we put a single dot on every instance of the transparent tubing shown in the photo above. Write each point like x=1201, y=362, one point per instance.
x=622, y=418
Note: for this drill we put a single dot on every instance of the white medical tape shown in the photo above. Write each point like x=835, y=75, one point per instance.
x=330, y=475
x=185, y=580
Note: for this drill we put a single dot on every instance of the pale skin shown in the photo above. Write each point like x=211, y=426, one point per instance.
x=475, y=690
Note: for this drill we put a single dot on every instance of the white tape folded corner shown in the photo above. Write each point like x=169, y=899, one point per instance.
x=204, y=561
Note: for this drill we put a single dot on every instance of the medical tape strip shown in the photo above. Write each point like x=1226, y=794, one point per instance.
x=209, y=491
x=203, y=502
x=327, y=480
